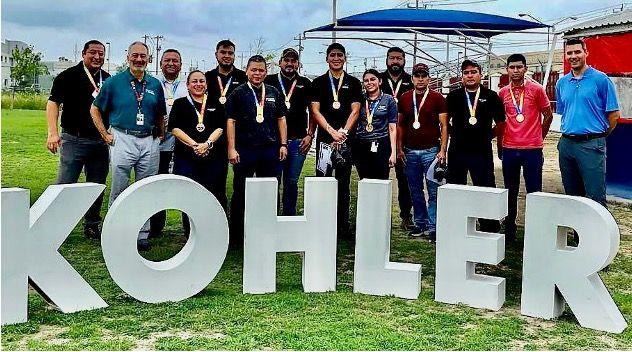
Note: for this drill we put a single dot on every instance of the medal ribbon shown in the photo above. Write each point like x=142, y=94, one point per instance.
x=469, y=103
x=200, y=114
x=174, y=87
x=416, y=109
x=513, y=99
x=396, y=89
x=223, y=90
x=335, y=91
x=374, y=105
x=263, y=95
x=94, y=84
x=139, y=97
x=287, y=95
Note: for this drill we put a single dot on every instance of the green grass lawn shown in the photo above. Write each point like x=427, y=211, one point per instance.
x=221, y=317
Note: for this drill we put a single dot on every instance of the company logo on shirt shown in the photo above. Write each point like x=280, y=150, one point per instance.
x=150, y=92
x=211, y=109
x=271, y=100
x=381, y=108
x=345, y=86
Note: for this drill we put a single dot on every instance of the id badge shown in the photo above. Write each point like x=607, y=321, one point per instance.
x=95, y=93
x=374, y=145
x=140, y=119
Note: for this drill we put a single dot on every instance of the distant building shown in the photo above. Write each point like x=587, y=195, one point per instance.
x=7, y=60
x=536, y=61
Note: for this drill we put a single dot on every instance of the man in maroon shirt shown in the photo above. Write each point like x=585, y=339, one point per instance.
x=422, y=137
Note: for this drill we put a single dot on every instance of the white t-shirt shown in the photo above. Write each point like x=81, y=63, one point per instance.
x=174, y=90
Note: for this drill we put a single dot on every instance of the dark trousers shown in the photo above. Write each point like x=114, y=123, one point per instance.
x=583, y=168
x=403, y=191
x=480, y=165
x=157, y=221
x=262, y=161
x=531, y=161
x=371, y=164
x=90, y=155
x=210, y=173
x=291, y=171
x=343, y=176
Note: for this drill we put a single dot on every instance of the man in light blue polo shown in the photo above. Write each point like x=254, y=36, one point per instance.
x=587, y=101
x=134, y=104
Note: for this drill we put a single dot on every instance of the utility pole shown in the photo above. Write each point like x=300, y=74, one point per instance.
x=300, y=52
x=75, y=52
x=415, y=41
x=334, y=21
x=158, y=48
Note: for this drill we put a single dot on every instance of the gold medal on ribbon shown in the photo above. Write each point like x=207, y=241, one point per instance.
x=200, y=127
x=369, y=127
x=335, y=91
x=417, y=110
x=336, y=105
x=472, y=107
x=259, y=105
x=200, y=114
x=287, y=104
x=518, y=105
x=223, y=90
x=170, y=101
x=472, y=120
x=520, y=118
x=222, y=100
x=416, y=125
x=259, y=117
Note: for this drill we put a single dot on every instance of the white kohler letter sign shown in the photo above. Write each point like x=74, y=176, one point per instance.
x=553, y=272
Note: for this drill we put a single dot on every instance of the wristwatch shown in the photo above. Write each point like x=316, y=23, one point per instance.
x=209, y=144
x=343, y=131
x=284, y=145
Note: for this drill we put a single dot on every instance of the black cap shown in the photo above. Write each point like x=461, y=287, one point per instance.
x=290, y=52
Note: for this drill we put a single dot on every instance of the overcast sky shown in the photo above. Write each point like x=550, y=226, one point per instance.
x=193, y=27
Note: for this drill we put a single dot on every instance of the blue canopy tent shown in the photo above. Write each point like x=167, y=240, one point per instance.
x=434, y=26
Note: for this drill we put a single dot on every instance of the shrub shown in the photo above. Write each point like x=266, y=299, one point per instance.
x=25, y=101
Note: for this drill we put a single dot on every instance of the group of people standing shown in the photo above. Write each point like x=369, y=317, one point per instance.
x=264, y=125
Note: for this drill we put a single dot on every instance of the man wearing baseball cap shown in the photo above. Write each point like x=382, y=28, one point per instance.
x=295, y=90
x=422, y=137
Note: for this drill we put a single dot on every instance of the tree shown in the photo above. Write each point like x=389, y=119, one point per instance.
x=27, y=67
x=257, y=48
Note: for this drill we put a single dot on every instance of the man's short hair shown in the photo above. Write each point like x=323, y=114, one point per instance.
x=575, y=41
x=129, y=48
x=256, y=58
x=91, y=42
x=470, y=63
x=224, y=43
x=336, y=46
x=516, y=58
x=395, y=49
x=171, y=51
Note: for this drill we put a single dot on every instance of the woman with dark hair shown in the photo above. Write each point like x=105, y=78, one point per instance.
x=200, y=151
x=374, y=145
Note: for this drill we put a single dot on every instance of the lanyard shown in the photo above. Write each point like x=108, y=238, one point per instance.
x=335, y=91
x=469, y=103
x=416, y=109
x=223, y=90
x=513, y=98
x=263, y=96
x=396, y=89
x=374, y=105
x=94, y=84
x=139, y=96
x=174, y=86
x=287, y=95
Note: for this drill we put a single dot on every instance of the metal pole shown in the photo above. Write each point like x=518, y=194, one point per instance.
x=334, y=21
x=447, y=53
x=108, y=44
x=545, y=82
x=415, y=41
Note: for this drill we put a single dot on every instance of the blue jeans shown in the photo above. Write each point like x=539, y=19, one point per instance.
x=530, y=160
x=417, y=164
x=583, y=168
x=291, y=170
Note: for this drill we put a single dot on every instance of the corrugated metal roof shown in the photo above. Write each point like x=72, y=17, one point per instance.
x=619, y=19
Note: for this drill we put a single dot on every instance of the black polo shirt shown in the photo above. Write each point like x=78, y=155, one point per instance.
x=73, y=89
x=241, y=108
x=184, y=117
x=297, y=116
x=238, y=78
x=465, y=136
x=405, y=78
x=350, y=92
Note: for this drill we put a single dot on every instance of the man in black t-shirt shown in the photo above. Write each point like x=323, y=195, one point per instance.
x=223, y=79
x=80, y=143
x=395, y=81
x=476, y=114
x=295, y=90
x=336, y=100
x=256, y=134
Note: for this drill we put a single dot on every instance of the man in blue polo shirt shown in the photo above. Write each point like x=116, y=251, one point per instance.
x=134, y=104
x=587, y=101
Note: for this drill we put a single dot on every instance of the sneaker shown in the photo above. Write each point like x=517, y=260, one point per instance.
x=143, y=244
x=92, y=233
x=415, y=232
x=407, y=224
x=432, y=236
